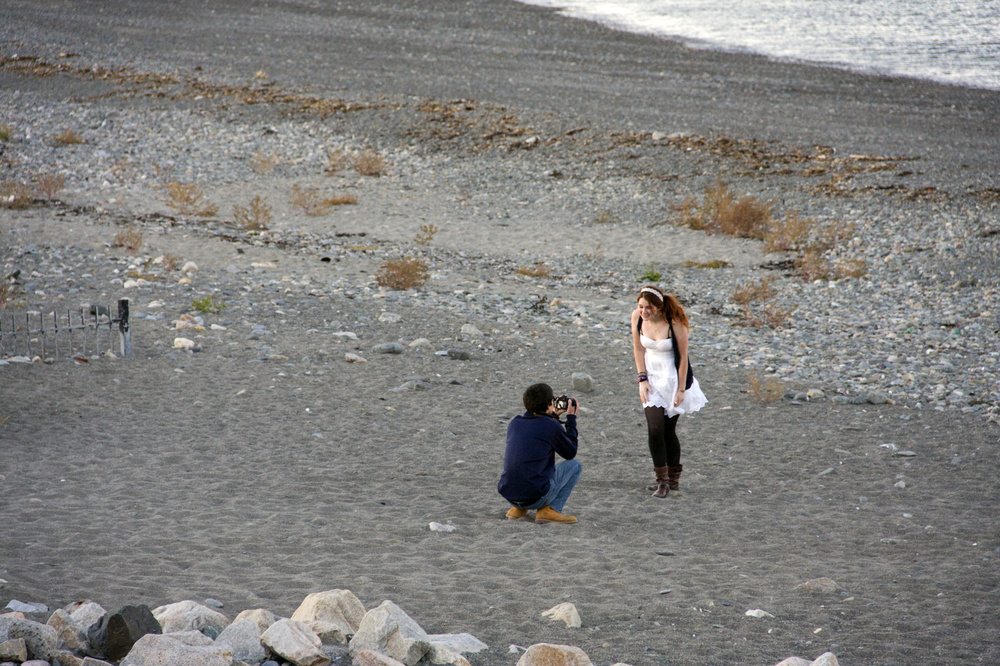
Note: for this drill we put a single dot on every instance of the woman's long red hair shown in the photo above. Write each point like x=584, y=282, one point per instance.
x=665, y=303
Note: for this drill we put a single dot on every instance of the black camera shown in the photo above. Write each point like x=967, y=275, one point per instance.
x=562, y=403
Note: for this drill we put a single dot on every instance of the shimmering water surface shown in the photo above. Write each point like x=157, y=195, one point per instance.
x=948, y=41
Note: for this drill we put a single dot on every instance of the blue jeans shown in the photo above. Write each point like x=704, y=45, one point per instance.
x=565, y=476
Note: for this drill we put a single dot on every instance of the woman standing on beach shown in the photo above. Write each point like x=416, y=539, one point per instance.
x=667, y=387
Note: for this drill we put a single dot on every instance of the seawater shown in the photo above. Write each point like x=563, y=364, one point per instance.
x=947, y=41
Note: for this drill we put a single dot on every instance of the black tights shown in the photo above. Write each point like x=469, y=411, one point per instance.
x=663, y=443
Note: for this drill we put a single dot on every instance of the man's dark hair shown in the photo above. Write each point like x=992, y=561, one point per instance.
x=537, y=398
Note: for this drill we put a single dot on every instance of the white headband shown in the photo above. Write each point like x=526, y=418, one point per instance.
x=651, y=291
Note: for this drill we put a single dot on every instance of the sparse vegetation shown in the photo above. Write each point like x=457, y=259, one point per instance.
x=129, y=238
x=764, y=390
x=207, y=305
x=311, y=202
x=264, y=163
x=170, y=262
x=188, y=199
x=67, y=138
x=789, y=233
x=716, y=263
x=757, y=309
x=336, y=161
x=369, y=163
x=605, y=216
x=5, y=132
x=651, y=275
x=721, y=211
x=14, y=195
x=425, y=234
x=255, y=217
x=48, y=185
x=538, y=269
x=404, y=273
x=811, y=265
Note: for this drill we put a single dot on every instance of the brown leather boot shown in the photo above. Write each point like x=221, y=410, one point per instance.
x=651, y=487
x=513, y=513
x=549, y=515
x=662, y=484
x=674, y=477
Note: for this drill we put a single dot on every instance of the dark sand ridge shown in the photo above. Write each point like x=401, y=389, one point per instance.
x=130, y=482
x=532, y=58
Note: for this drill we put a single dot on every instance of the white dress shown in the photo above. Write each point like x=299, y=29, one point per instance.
x=659, y=355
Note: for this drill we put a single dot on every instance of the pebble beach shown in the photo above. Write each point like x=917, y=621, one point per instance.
x=344, y=412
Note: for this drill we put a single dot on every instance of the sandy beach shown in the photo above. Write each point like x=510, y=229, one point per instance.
x=266, y=467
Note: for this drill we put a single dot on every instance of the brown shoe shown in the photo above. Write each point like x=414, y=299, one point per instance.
x=513, y=513
x=549, y=515
x=662, y=487
x=674, y=477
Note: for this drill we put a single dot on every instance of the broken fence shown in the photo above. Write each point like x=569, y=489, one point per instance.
x=92, y=331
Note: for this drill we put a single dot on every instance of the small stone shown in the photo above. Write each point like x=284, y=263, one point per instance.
x=439, y=527
x=351, y=357
x=459, y=355
x=566, y=612
x=815, y=394
x=548, y=654
x=822, y=585
x=471, y=331
x=388, y=348
x=756, y=612
x=666, y=553
x=900, y=484
x=390, y=318
x=420, y=342
x=189, y=267
x=184, y=343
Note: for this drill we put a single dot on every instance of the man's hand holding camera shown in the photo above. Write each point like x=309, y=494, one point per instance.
x=565, y=405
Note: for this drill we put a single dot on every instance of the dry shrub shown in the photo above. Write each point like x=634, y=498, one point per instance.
x=787, y=234
x=537, y=270
x=121, y=168
x=255, y=217
x=763, y=390
x=715, y=263
x=5, y=132
x=721, y=211
x=811, y=265
x=67, y=138
x=48, y=185
x=342, y=200
x=425, y=234
x=170, y=262
x=831, y=235
x=605, y=216
x=188, y=199
x=750, y=292
x=762, y=313
x=264, y=163
x=405, y=273
x=15, y=195
x=309, y=201
x=129, y=238
x=336, y=161
x=768, y=314
x=369, y=163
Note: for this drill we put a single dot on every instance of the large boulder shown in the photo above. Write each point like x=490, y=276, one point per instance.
x=41, y=639
x=166, y=650
x=14, y=649
x=243, y=635
x=387, y=629
x=448, y=648
x=116, y=633
x=373, y=658
x=294, y=641
x=547, y=654
x=85, y=614
x=69, y=632
x=187, y=615
x=337, y=607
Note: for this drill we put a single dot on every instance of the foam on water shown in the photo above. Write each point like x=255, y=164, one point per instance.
x=948, y=41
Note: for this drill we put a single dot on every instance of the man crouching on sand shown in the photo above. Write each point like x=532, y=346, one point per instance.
x=531, y=478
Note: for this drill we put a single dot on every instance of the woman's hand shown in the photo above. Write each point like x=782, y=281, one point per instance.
x=678, y=397
x=644, y=392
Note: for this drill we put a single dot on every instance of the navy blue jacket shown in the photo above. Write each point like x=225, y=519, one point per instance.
x=529, y=461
